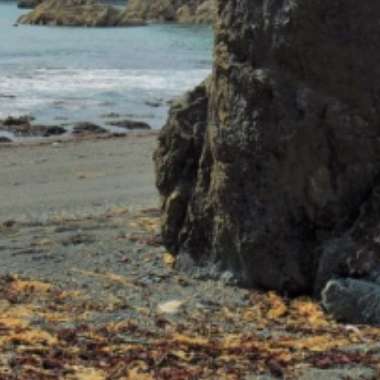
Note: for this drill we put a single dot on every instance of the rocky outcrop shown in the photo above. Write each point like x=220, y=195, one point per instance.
x=88, y=13
x=271, y=170
x=182, y=11
x=22, y=127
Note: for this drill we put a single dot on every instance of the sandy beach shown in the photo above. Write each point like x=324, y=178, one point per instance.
x=85, y=176
x=248, y=249
x=82, y=265
x=80, y=218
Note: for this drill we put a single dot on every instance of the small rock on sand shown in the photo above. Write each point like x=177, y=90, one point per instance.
x=86, y=127
x=352, y=300
x=130, y=124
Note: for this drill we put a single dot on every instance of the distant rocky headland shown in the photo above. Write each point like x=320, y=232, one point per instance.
x=93, y=13
x=88, y=13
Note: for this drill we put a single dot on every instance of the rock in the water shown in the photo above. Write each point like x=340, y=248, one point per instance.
x=154, y=103
x=88, y=128
x=28, y=4
x=130, y=124
x=182, y=11
x=353, y=301
x=88, y=13
x=261, y=168
x=5, y=140
x=110, y=115
x=16, y=121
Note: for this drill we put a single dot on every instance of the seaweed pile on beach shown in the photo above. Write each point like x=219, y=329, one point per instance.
x=98, y=297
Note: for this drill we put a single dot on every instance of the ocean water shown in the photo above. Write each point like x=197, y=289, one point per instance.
x=59, y=74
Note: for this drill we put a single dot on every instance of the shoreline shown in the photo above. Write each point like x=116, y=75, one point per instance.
x=68, y=138
x=24, y=129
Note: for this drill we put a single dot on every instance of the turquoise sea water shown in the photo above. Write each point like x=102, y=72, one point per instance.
x=55, y=73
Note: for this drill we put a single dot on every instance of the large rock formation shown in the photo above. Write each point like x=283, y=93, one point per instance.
x=271, y=169
x=182, y=11
x=77, y=13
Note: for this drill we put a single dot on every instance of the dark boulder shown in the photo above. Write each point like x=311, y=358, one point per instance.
x=54, y=130
x=271, y=169
x=353, y=301
x=16, y=121
x=22, y=127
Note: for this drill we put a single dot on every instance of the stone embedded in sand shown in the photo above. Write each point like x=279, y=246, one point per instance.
x=130, y=124
x=87, y=127
x=260, y=169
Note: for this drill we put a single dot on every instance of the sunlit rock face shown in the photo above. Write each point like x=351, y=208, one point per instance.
x=270, y=169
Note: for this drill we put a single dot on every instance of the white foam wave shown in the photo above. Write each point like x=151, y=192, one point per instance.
x=83, y=93
x=70, y=81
